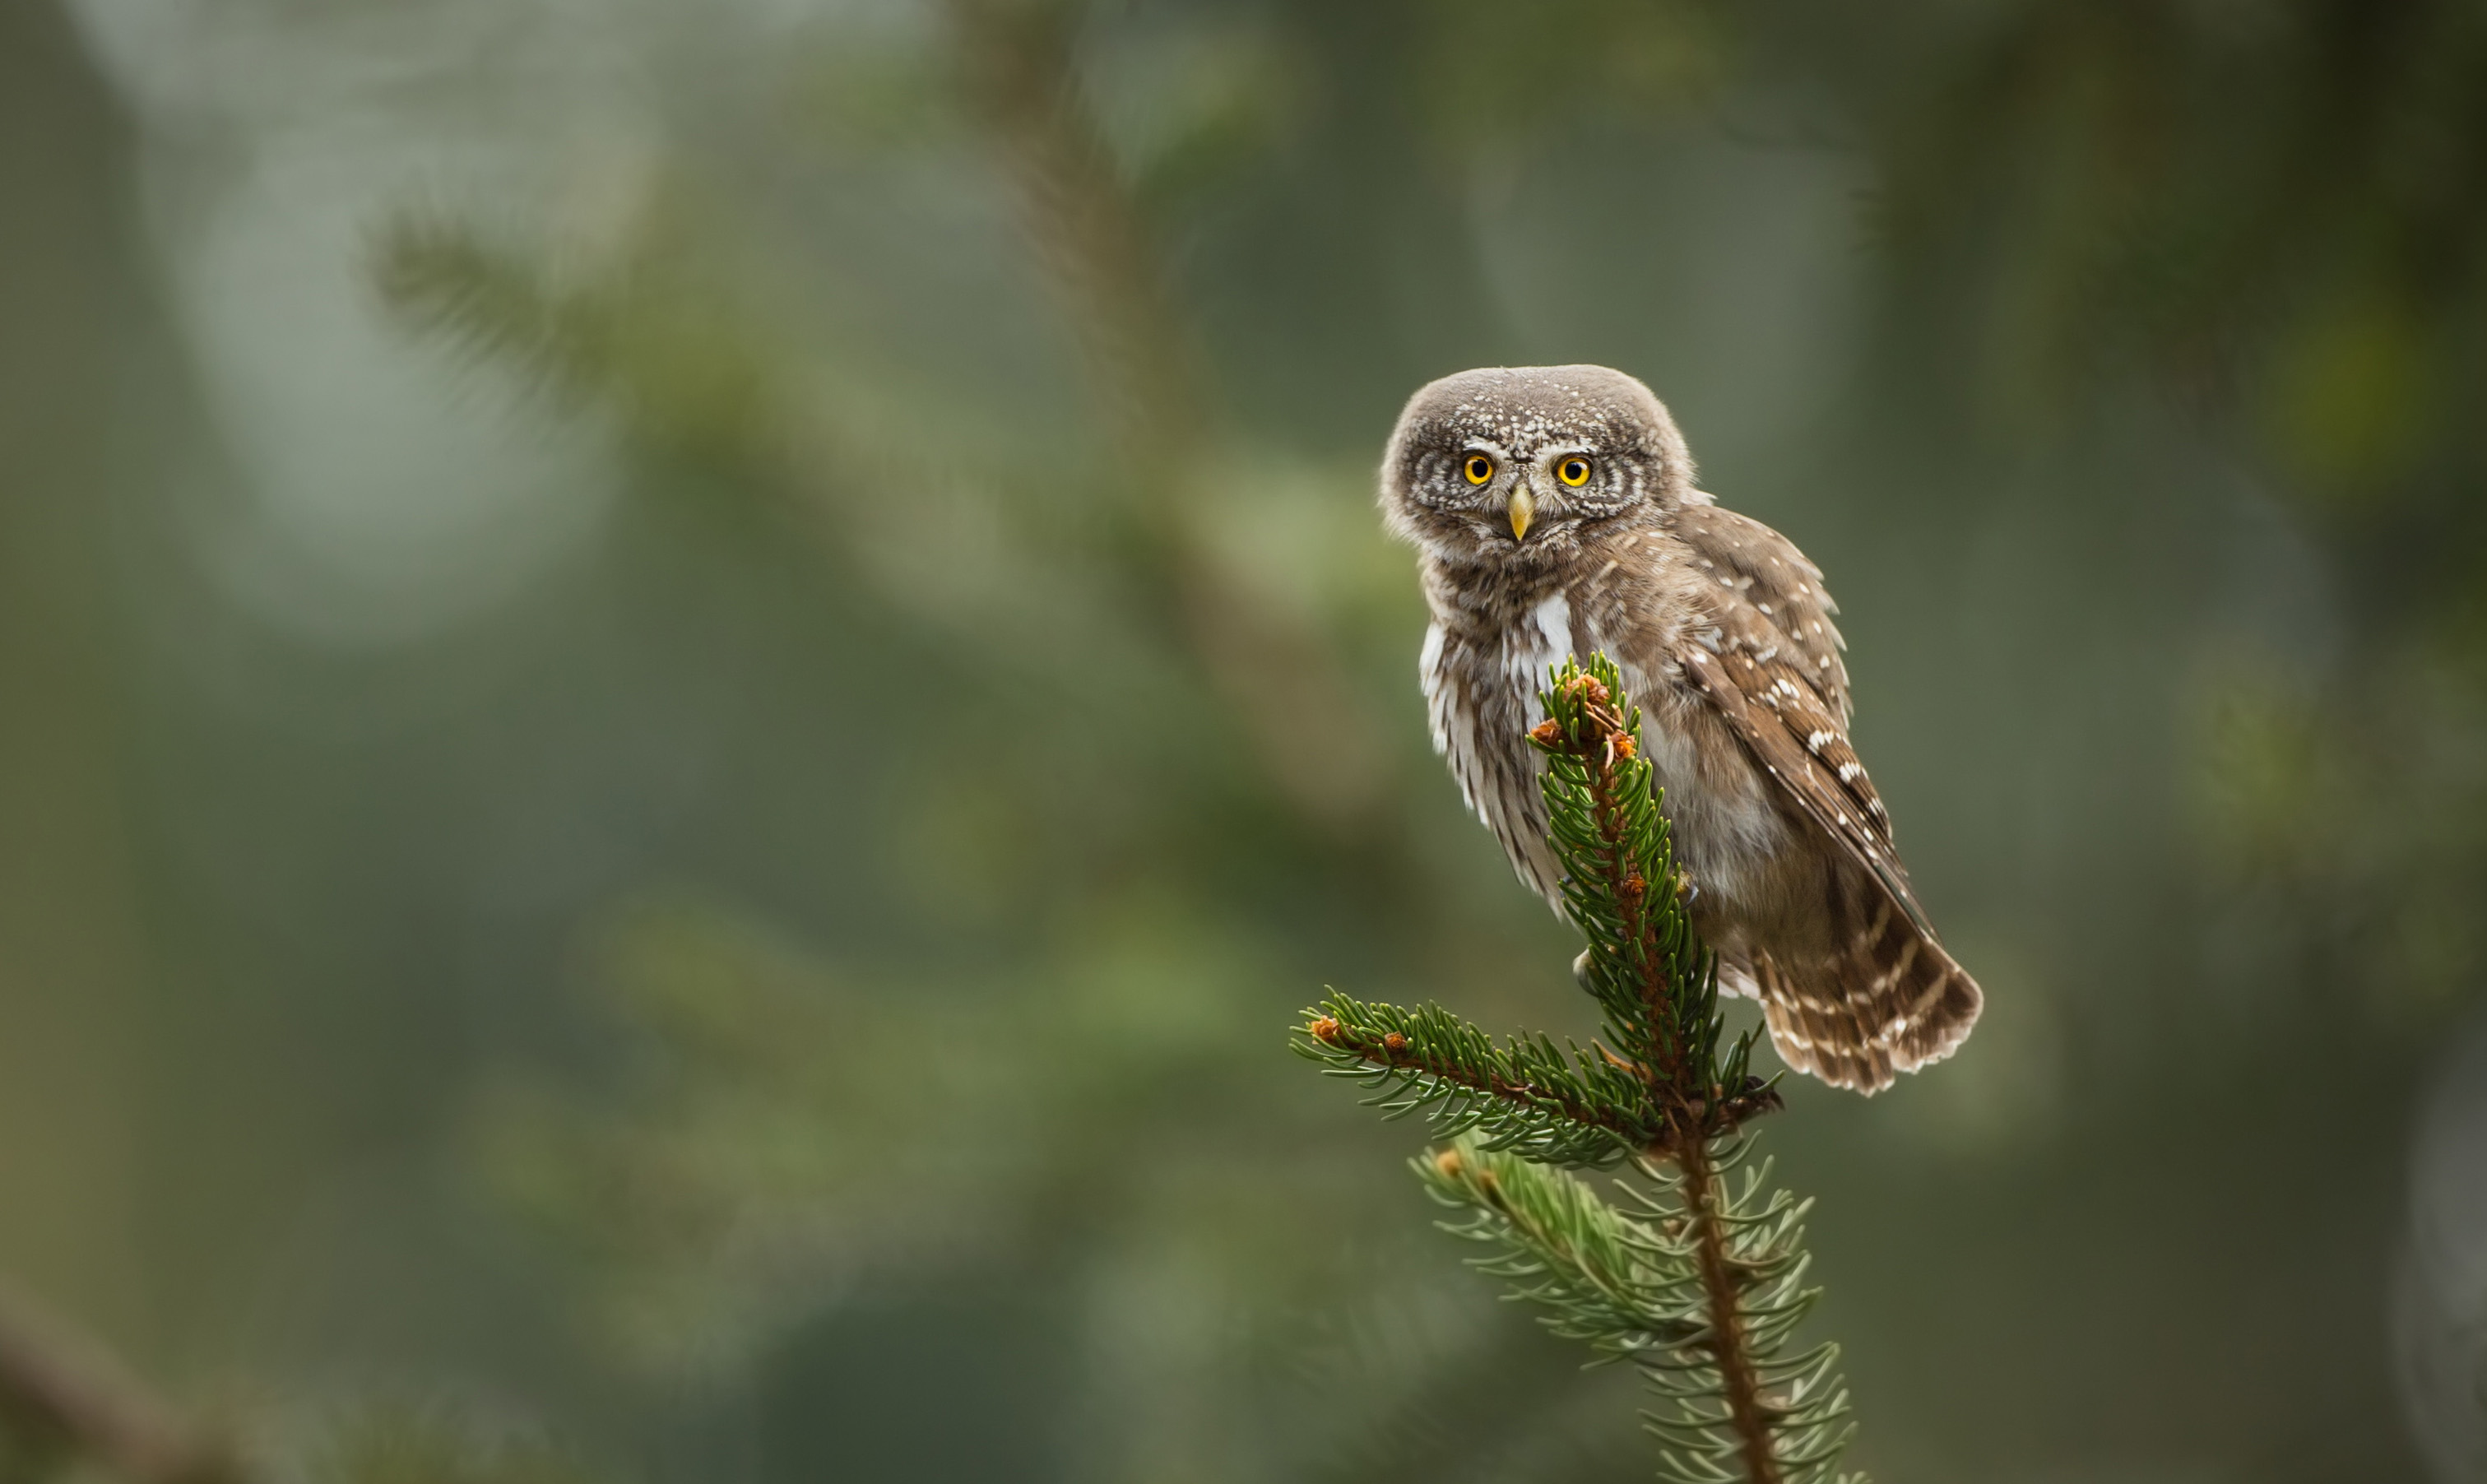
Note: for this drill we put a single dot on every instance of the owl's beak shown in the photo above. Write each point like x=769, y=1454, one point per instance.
x=1523, y=509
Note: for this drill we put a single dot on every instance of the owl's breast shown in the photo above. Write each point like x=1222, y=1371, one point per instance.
x=1482, y=681
x=1482, y=674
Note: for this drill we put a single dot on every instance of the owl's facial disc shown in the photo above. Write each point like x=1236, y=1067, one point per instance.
x=1522, y=464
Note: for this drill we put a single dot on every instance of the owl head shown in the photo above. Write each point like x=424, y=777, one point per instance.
x=1511, y=465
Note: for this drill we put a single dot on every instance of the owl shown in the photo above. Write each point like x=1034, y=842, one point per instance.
x=1553, y=513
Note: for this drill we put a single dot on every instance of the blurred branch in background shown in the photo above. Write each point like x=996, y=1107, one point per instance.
x=63, y=1400
x=1016, y=57
x=691, y=371
x=783, y=1135
x=1014, y=60
x=636, y=328
x=69, y=1410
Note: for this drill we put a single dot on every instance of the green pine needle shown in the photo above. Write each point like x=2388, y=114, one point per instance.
x=1565, y=1107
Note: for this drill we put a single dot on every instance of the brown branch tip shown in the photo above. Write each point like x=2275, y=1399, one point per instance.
x=1607, y=738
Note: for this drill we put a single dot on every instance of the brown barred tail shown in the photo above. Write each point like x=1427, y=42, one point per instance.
x=1891, y=1002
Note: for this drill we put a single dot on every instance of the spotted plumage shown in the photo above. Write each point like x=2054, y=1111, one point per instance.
x=1553, y=512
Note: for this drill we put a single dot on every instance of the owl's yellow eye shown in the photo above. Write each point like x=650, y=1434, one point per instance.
x=1572, y=472
x=1479, y=468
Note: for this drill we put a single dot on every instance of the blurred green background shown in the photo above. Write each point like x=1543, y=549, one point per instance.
x=688, y=690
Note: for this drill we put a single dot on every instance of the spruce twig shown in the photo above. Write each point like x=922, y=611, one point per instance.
x=1697, y=1276
x=1578, y=1109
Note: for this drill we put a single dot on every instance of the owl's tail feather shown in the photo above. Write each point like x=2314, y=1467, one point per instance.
x=1890, y=1000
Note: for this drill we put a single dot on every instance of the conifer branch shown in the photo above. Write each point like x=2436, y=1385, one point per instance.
x=1697, y=1278
x=1722, y=1295
x=1522, y=1094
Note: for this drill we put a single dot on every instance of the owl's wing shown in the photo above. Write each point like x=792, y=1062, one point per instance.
x=1768, y=659
x=1791, y=732
x=1886, y=997
x=1788, y=609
